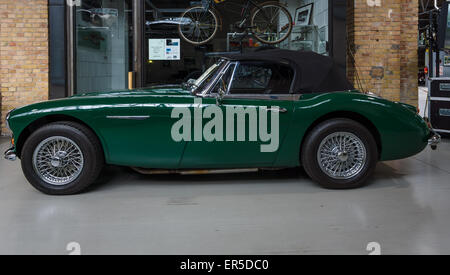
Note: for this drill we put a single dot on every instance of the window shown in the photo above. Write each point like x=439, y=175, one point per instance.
x=112, y=38
x=310, y=33
x=262, y=78
x=102, y=45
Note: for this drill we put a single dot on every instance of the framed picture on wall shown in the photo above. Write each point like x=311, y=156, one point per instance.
x=303, y=15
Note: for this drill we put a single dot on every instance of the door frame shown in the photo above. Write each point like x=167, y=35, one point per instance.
x=138, y=42
x=138, y=8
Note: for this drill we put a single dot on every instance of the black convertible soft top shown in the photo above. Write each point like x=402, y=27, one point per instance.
x=314, y=73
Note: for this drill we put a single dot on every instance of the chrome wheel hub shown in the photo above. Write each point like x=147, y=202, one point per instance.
x=58, y=160
x=342, y=155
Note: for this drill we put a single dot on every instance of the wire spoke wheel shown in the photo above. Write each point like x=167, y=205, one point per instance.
x=271, y=24
x=199, y=25
x=58, y=161
x=342, y=155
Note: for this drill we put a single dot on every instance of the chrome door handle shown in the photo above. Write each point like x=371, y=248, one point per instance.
x=280, y=110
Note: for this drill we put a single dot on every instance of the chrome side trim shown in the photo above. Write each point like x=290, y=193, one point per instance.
x=288, y=97
x=128, y=117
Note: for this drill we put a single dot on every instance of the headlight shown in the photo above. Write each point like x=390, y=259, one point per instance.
x=7, y=119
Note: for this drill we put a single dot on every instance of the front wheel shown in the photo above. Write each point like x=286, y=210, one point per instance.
x=62, y=158
x=339, y=154
x=198, y=25
x=271, y=23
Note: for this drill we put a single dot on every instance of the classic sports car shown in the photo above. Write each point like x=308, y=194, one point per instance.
x=219, y=122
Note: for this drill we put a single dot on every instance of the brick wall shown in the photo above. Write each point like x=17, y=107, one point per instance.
x=383, y=38
x=23, y=54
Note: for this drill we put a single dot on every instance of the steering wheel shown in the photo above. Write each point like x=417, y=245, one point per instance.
x=259, y=83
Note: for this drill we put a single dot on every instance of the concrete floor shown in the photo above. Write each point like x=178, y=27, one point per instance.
x=406, y=209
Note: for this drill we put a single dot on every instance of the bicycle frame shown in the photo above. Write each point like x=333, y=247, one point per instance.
x=246, y=9
x=251, y=10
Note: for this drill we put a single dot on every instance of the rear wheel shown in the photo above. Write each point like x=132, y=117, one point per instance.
x=271, y=23
x=339, y=154
x=198, y=25
x=62, y=158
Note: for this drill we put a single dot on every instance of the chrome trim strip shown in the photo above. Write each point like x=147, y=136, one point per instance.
x=128, y=117
x=281, y=97
x=440, y=98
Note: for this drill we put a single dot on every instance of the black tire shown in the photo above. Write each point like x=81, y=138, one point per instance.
x=310, y=159
x=87, y=142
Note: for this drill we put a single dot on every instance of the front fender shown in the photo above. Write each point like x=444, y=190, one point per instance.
x=23, y=118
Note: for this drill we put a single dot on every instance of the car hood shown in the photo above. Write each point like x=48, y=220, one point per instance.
x=97, y=98
x=156, y=90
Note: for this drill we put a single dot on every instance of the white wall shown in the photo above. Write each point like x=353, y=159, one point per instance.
x=319, y=14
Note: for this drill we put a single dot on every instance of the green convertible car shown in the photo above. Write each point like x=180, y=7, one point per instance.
x=270, y=109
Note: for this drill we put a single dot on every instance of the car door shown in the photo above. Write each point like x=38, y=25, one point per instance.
x=137, y=131
x=256, y=110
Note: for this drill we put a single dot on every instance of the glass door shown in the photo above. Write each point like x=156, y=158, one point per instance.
x=103, y=45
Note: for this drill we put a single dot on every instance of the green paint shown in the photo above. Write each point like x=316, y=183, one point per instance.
x=148, y=143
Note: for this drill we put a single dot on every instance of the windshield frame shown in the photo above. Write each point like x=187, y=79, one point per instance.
x=200, y=89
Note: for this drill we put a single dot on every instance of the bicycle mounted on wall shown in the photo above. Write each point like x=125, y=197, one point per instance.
x=268, y=22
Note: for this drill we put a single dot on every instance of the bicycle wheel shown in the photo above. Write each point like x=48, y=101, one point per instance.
x=199, y=25
x=271, y=23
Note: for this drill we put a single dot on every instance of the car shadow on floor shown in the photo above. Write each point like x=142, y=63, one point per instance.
x=387, y=176
x=114, y=177
x=117, y=174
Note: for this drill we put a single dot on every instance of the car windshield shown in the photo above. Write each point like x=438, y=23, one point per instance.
x=200, y=84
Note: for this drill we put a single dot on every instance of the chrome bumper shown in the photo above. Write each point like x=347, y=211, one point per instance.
x=434, y=140
x=10, y=154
